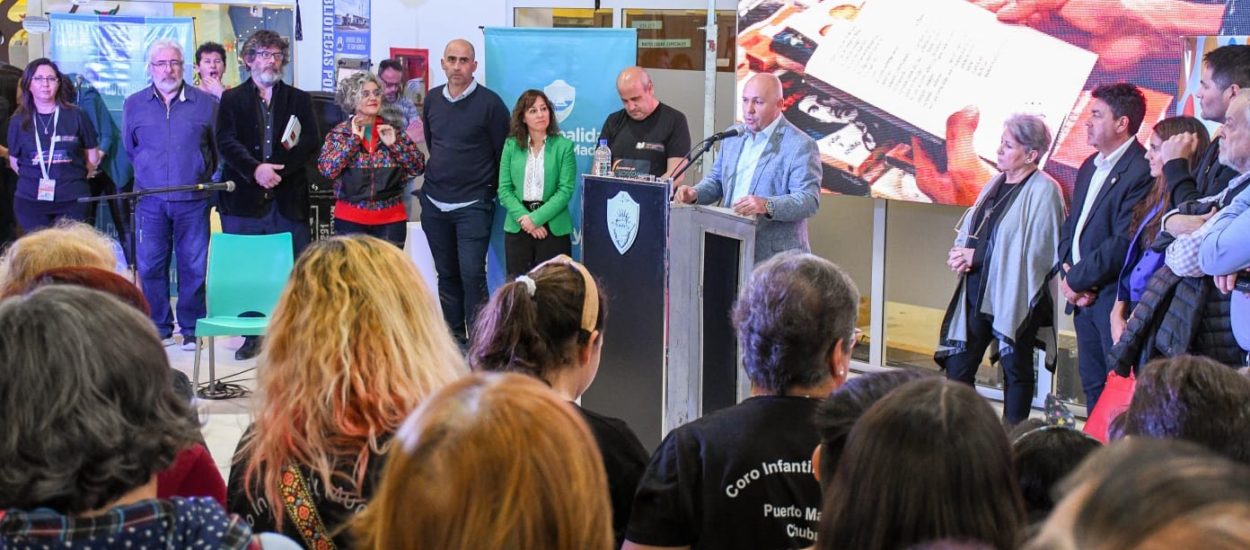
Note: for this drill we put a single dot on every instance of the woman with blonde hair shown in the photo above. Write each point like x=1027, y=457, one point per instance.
x=494, y=461
x=355, y=344
x=67, y=244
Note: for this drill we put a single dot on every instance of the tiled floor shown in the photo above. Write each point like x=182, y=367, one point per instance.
x=225, y=420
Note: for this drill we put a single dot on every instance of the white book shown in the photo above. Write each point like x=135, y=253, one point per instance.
x=290, y=136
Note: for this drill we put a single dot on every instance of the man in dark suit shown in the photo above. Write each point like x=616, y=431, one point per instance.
x=1095, y=235
x=1225, y=71
x=267, y=167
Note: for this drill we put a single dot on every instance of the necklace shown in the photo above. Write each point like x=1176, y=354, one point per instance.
x=44, y=127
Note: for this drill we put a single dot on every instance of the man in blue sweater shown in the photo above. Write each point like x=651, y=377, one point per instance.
x=465, y=127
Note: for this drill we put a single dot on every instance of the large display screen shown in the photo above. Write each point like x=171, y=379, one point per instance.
x=906, y=99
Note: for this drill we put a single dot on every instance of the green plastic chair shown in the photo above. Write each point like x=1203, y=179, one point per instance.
x=245, y=273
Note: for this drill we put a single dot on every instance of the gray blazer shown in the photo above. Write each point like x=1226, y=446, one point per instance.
x=788, y=172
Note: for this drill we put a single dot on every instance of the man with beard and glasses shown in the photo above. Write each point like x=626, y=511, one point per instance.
x=267, y=136
x=168, y=134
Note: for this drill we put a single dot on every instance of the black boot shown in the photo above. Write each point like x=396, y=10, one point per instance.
x=251, y=347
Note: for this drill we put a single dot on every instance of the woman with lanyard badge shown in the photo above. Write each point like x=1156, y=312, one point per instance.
x=1006, y=252
x=52, y=147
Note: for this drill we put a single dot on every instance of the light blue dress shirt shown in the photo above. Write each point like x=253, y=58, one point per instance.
x=752, y=149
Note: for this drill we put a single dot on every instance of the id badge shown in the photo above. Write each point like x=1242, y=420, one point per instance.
x=47, y=189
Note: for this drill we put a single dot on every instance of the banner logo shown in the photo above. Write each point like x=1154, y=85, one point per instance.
x=622, y=221
x=562, y=96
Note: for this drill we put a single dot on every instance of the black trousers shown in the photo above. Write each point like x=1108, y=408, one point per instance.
x=523, y=252
x=1017, y=365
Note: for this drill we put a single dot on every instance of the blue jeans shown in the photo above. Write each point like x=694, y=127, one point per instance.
x=458, y=243
x=35, y=215
x=1093, y=343
x=180, y=227
x=271, y=223
x=395, y=233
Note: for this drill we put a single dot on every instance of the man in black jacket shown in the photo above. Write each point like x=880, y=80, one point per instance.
x=1095, y=235
x=1225, y=71
x=263, y=152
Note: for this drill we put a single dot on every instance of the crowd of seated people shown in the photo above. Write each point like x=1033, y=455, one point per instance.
x=371, y=429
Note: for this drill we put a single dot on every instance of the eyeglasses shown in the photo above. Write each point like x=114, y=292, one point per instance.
x=44, y=79
x=371, y=93
x=265, y=54
x=167, y=64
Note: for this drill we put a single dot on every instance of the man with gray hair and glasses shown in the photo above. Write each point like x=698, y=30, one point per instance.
x=741, y=477
x=168, y=134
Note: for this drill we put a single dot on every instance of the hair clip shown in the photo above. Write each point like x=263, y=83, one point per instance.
x=530, y=286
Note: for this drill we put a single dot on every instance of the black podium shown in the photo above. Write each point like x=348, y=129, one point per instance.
x=625, y=245
x=669, y=354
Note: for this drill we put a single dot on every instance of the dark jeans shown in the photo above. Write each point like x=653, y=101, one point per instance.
x=36, y=215
x=1017, y=365
x=1093, y=343
x=271, y=223
x=458, y=243
x=395, y=233
x=524, y=252
x=180, y=227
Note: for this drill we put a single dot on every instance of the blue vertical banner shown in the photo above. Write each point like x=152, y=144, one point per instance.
x=577, y=69
x=344, y=34
x=110, y=51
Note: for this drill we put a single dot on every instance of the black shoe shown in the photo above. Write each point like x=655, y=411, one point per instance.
x=251, y=347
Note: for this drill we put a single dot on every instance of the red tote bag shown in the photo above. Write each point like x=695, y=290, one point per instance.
x=1113, y=401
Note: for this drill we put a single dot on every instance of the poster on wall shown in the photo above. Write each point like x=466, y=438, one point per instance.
x=110, y=51
x=906, y=98
x=416, y=78
x=345, y=35
x=576, y=69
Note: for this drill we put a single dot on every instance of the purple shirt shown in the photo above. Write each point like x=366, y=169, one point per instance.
x=171, y=145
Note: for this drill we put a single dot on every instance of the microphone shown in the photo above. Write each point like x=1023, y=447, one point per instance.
x=227, y=186
x=735, y=130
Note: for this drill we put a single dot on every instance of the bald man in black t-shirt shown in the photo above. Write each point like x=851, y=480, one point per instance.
x=646, y=137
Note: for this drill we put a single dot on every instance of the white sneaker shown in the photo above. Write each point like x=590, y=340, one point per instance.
x=168, y=341
x=189, y=345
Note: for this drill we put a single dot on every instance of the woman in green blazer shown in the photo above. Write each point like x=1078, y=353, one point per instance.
x=537, y=175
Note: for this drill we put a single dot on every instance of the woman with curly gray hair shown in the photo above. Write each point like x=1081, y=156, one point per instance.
x=369, y=162
x=88, y=423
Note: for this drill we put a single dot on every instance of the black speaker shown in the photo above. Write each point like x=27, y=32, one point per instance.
x=321, y=190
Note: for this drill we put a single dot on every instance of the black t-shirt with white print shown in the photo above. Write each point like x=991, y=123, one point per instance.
x=644, y=146
x=738, y=478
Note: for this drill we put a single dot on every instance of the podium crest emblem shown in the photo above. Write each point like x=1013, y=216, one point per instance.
x=563, y=96
x=622, y=221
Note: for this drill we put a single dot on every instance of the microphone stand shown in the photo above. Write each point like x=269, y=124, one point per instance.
x=129, y=200
x=698, y=151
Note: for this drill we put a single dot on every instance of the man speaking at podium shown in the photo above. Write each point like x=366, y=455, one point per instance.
x=770, y=170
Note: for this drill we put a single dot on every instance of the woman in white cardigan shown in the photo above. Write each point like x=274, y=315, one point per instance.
x=1006, y=254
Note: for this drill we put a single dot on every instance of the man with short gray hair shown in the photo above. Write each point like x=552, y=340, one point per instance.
x=168, y=134
x=741, y=477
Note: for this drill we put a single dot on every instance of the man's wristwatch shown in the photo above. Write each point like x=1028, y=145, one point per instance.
x=768, y=208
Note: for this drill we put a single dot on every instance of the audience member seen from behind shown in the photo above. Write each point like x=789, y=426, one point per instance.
x=53, y=149
x=1044, y=454
x=1006, y=254
x=928, y=462
x=1141, y=261
x=1190, y=398
x=741, y=477
x=537, y=175
x=370, y=163
x=491, y=462
x=66, y=244
x=355, y=344
x=1143, y=493
x=193, y=473
x=549, y=324
x=79, y=458
x=836, y=415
